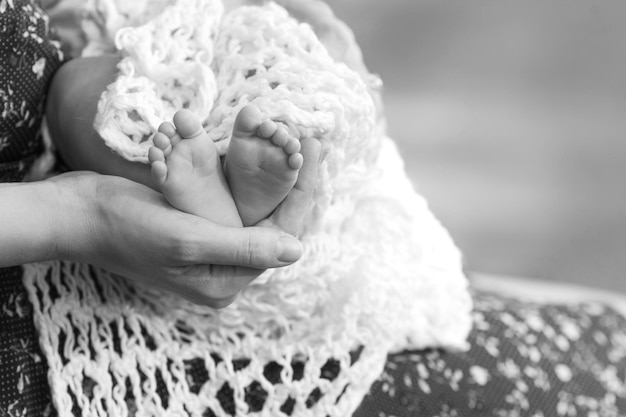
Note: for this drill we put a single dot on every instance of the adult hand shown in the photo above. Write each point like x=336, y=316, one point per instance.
x=129, y=229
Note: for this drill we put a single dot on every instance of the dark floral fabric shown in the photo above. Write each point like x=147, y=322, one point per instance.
x=525, y=360
x=29, y=58
x=23, y=384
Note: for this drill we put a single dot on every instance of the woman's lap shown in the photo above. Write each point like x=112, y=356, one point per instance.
x=525, y=359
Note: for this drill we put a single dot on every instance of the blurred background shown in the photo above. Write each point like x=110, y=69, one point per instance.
x=511, y=119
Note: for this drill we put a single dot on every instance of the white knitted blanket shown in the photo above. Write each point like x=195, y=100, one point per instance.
x=379, y=273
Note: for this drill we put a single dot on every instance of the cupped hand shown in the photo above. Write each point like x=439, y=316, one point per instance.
x=129, y=229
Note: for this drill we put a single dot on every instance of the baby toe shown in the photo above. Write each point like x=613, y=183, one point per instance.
x=167, y=129
x=266, y=129
x=247, y=120
x=158, y=170
x=155, y=154
x=187, y=124
x=295, y=161
x=162, y=142
x=292, y=146
x=280, y=138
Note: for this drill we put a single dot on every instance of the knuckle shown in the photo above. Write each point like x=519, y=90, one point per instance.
x=250, y=252
x=179, y=250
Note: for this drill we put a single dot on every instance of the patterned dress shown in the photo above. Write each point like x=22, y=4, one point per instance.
x=29, y=58
x=525, y=359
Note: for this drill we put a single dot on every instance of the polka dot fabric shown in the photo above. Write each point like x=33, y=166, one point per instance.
x=29, y=58
x=525, y=360
x=23, y=387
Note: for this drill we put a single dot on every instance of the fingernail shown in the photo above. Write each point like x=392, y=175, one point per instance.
x=289, y=249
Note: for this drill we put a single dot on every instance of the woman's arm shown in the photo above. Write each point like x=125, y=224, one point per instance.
x=132, y=231
x=70, y=111
x=28, y=215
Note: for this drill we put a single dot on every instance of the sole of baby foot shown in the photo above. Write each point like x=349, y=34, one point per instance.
x=187, y=169
x=261, y=165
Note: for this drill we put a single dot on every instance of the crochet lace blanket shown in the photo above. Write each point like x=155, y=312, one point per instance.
x=379, y=272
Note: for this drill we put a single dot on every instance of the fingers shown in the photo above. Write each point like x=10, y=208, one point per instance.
x=215, y=286
x=289, y=216
x=212, y=280
x=142, y=236
x=223, y=261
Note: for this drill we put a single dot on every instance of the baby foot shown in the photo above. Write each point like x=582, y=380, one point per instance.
x=261, y=165
x=187, y=169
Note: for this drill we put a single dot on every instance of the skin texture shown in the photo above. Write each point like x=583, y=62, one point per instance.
x=188, y=170
x=261, y=165
x=132, y=231
x=70, y=111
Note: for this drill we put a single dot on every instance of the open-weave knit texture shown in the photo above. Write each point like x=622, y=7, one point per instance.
x=379, y=272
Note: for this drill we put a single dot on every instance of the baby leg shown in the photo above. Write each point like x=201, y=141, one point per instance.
x=187, y=169
x=261, y=165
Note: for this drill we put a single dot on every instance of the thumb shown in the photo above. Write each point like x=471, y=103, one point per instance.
x=252, y=247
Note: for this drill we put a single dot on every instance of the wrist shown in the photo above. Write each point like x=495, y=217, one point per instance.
x=34, y=218
x=73, y=224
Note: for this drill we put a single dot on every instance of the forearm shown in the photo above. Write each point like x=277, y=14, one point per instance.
x=38, y=219
x=71, y=109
